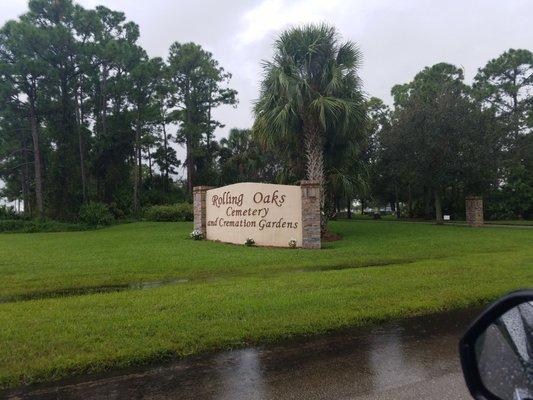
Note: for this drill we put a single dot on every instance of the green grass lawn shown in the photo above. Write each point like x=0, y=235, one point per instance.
x=228, y=295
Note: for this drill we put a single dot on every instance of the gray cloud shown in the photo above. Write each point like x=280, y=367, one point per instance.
x=397, y=38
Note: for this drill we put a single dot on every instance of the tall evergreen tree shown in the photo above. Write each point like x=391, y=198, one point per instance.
x=25, y=72
x=198, y=85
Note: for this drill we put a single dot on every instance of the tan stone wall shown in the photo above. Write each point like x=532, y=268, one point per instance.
x=310, y=214
x=474, y=211
x=272, y=215
x=199, y=193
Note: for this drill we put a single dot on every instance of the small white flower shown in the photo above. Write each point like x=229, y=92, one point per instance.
x=196, y=234
x=292, y=243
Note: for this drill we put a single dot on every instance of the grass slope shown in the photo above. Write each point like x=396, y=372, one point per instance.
x=235, y=295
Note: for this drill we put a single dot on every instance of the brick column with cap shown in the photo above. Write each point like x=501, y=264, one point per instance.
x=200, y=217
x=474, y=211
x=310, y=214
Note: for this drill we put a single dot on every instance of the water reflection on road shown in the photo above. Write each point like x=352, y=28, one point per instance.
x=412, y=358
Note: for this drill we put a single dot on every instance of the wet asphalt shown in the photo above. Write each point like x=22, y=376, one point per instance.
x=411, y=359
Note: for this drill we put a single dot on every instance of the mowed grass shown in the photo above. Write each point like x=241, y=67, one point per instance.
x=234, y=295
x=41, y=263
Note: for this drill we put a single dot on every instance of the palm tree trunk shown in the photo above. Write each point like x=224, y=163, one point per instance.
x=314, y=152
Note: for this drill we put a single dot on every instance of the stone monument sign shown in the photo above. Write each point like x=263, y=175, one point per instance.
x=271, y=215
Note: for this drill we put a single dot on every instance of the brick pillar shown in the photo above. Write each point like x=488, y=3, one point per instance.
x=474, y=211
x=200, y=217
x=310, y=214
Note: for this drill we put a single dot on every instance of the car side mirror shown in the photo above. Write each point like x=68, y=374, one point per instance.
x=497, y=351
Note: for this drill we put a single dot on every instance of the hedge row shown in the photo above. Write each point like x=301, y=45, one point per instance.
x=170, y=213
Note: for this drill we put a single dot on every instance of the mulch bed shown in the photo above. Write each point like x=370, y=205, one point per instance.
x=331, y=237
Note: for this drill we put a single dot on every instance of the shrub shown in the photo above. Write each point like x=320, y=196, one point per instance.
x=117, y=212
x=12, y=225
x=249, y=242
x=170, y=213
x=96, y=214
x=7, y=212
x=32, y=226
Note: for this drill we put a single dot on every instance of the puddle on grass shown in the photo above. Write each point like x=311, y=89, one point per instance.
x=341, y=267
x=91, y=290
x=158, y=283
x=369, y=264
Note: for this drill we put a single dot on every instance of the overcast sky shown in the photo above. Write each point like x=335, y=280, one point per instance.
x=397, y=38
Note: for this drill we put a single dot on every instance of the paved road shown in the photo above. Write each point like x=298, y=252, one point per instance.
x=414, y=359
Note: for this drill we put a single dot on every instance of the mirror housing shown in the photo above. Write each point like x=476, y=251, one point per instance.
x=467, y=345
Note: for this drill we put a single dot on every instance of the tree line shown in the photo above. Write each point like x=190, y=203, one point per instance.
x=441, y=141
x=85, y=113
x=444, y=140
x=87, y=116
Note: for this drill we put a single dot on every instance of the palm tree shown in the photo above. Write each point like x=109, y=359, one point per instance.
x=348, y=176
x=310, y=94
x=238, y=146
